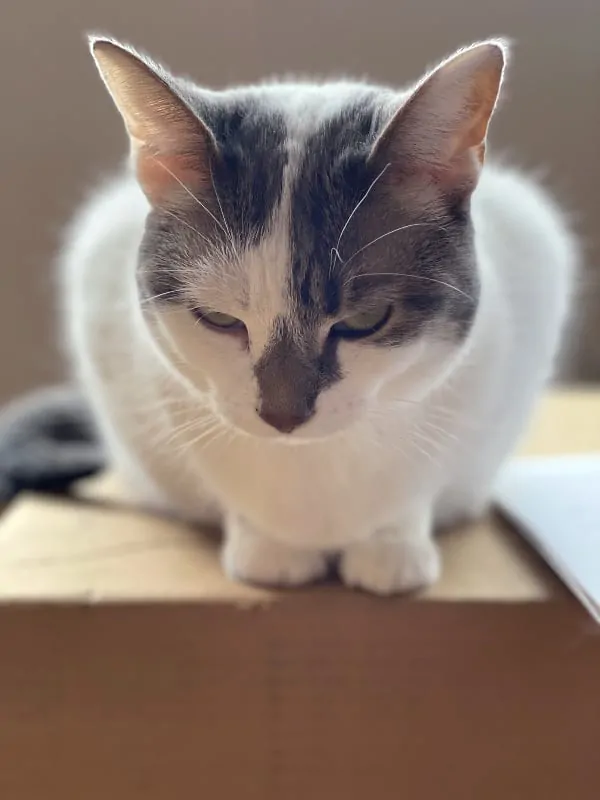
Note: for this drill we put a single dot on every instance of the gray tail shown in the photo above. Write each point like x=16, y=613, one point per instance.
x=47, y=442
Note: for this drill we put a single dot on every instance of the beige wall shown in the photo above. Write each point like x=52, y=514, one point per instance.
x=58, y=131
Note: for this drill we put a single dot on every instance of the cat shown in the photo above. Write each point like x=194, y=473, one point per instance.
x=309, y=312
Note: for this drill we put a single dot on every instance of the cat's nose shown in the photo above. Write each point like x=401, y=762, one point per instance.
x=284, y=422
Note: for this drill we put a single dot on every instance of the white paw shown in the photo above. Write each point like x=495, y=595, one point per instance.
x=253, y=558
x=390, y=563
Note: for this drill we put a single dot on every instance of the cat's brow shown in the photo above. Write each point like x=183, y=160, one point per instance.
x=389, y=233
x=409, y=275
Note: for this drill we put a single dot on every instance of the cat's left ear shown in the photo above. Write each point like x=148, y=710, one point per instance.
x=170, y=145
x=440, y=131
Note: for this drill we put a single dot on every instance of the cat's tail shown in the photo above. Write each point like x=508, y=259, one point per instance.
x=47, y=442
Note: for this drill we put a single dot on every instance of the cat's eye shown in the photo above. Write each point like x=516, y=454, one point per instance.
x=216, y=319
x=362, y=324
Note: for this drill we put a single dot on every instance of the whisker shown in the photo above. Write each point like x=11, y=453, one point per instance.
x=185, y=447
x=186, y=427
x=160, y=415
x=354, y=210
x=154, y=298
x=207, y=437
x=410, y=275
x=193, y=436
x=389, y=233
x=187, y=225
x=227, y=433
x=438, y=446
x=162, y=266
x=410, y=402
x=190, y=193
x=225, y=223
x=439, y=430
x=195, y=423
x=429, y=456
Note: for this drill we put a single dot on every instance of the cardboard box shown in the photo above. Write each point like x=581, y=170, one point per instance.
x=131, y=669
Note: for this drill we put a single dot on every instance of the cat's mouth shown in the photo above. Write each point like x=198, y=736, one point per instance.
x=294, y=438
x=314, y=431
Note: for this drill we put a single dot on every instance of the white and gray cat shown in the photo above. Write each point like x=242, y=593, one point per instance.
x=309, y=311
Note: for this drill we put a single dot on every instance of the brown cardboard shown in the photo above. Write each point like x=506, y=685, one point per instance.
x=68, y=552
x=131, y=668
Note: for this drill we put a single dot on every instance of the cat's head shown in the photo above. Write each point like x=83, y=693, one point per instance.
x=308, y=257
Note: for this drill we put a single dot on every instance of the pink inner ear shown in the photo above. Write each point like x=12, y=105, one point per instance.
x=173, y=155
x=460, y=174
x=171, y=147
x=440, y=131
x=455, y=168
x=171, y=179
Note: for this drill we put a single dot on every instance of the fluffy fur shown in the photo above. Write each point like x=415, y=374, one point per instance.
x=294, y=208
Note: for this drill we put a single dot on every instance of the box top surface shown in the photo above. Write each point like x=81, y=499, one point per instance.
x=65, y=551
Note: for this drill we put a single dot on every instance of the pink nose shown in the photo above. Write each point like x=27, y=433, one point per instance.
x=283, y=422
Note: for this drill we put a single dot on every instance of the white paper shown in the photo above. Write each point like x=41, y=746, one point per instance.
x=555, y=503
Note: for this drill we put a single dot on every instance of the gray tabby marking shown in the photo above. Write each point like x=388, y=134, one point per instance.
x=291, y=373
x=425, y=273
x=248, y=180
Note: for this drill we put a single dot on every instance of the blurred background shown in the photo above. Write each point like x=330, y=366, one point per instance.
x=59, y=133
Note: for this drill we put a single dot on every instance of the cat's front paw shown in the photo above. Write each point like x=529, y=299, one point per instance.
x=391, y=563
x=248, y=556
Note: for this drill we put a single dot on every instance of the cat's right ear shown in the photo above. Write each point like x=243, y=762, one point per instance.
x=171, y=147
x=440, y=130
